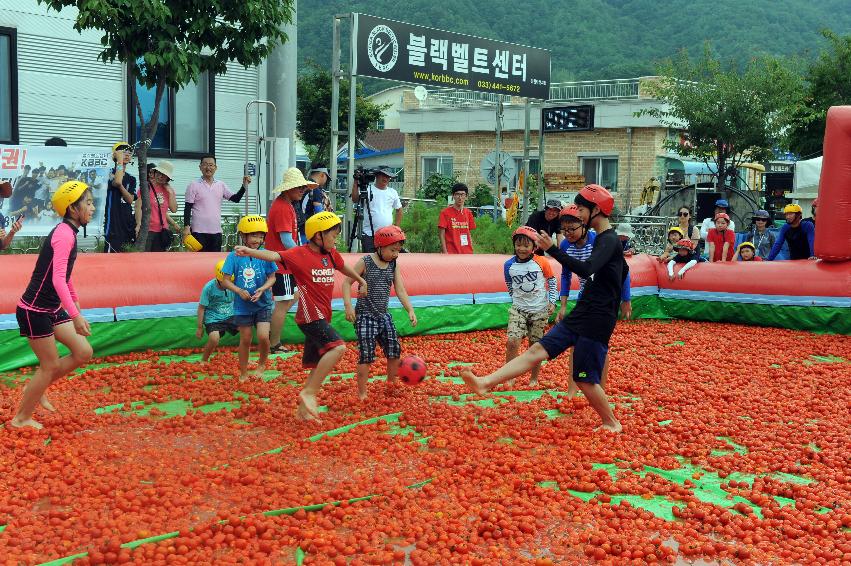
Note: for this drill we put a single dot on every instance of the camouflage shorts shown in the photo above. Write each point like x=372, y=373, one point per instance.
x=527, y=324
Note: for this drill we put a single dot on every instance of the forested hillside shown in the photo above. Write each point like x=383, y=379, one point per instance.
x=595, y=39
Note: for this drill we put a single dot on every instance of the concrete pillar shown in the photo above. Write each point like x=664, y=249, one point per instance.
x=281, y=80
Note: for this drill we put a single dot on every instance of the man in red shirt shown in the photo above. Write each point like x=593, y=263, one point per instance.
x=455, y=224
x=284, y=235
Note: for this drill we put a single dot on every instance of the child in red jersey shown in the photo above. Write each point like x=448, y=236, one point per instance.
x=313, y=266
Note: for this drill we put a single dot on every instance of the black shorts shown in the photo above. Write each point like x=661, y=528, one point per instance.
x=284, y=288
x=367, y=244
x=34, y=324
x=319, y=337
x=589, y=356
x=209, y=242
x=221, y=327
x=372, y=331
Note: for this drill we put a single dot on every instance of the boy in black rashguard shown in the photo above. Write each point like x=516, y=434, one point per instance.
x=589, y=326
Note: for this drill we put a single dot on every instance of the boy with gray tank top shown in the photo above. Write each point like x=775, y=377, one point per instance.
x=373, y=323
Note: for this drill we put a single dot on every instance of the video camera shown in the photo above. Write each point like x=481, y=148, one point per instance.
x=363, y=177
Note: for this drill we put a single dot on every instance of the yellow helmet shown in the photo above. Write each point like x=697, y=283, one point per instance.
x=678, y=230
x=745, y=245
x=67, y=194
x=320, y=222
x=219, y=275
x=792, y=208
x=252, y=223
x=124, y=144
x=191, y=243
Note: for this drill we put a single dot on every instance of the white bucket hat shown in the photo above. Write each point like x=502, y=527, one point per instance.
x=293, y=178
x=625, y=229
x=166, y=168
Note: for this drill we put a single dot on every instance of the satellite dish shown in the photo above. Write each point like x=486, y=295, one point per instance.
x=507, y=168
x=420, y=93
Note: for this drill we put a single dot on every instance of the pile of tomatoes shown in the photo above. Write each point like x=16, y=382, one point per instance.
x=229, y=476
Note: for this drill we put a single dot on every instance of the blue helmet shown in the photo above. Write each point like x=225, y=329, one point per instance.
x=722, y=203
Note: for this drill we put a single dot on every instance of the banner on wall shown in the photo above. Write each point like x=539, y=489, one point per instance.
x=35, y=173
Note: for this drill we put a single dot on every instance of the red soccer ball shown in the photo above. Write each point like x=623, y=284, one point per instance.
x=412, y=370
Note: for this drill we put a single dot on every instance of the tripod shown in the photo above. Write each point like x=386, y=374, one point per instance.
x=357, y=221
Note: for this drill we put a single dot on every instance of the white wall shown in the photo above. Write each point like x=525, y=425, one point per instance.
x=393, y=97
x=65, y=91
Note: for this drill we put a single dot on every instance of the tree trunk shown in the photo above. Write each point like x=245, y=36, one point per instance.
x=721, y=163
x=148, y=131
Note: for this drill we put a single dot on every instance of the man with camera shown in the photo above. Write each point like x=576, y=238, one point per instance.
x=380, y=204
x=118, y=220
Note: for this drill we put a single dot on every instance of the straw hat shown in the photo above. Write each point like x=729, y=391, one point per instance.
x=166, y=168
x=293, y=179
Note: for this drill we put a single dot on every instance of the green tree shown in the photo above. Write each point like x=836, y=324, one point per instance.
x=731, y=115
x=313, y=117
x=168, y=43
x=828, y=84
x=437, y=187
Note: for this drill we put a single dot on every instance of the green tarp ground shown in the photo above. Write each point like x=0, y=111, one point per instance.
x=832, y=320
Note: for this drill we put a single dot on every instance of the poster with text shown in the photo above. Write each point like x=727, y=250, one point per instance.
x=35, y=173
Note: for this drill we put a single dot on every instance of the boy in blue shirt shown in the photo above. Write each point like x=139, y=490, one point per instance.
x=250, y=279
x=215, y=312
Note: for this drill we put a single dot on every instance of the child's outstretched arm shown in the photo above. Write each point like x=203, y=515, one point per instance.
x=349, y=272
x=267, y=255
x=710, y=250
x=686, y=267
x=671, y=269
x=347, y=290
x=402, y=295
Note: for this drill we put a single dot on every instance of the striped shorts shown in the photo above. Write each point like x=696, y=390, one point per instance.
x=381, y=330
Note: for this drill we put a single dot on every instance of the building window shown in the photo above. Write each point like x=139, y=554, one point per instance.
x=380, y=125
x=601, y=171
x=8, y=86
x=441, y=165
x=186, y=118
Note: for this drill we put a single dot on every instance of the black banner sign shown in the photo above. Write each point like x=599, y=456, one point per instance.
x=387, y=49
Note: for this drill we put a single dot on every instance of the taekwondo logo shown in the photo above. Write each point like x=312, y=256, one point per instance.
x=382, y=40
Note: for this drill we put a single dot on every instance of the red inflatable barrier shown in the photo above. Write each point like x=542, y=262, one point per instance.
x=107, y=281
x=111, y=280
x=833, y=236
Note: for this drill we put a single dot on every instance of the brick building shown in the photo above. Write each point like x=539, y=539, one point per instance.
x=452, y=131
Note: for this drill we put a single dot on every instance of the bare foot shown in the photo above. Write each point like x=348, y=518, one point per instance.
x=25, y=423
x=45, y=402
x=572, y=390
x=362, y=392
x=533, y=382
x=259, y=371
x=307, y=405
x=472, y=383
x=615, y=428
x=243, y=377
x=510, y=383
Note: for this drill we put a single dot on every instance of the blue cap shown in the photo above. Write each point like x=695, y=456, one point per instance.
x=722, y=203
x=762, y=214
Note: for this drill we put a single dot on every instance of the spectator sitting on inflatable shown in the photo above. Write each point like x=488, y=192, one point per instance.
x=625, y=235
x=746, y=252
x=759, y=234
x=798, y=234
x=675, y=234
x=720, y=240
x=721, y=206
x=685, y=253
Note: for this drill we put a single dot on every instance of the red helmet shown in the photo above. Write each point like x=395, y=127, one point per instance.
x=388, y=236
x=596, y=195
x=570, y=210
x=723, y=215
x=684, y=243
x=527, y=231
